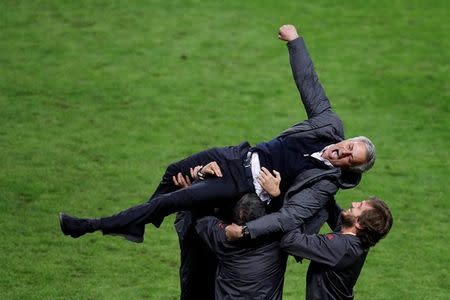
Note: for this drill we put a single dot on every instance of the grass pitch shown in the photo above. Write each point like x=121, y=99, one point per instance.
x=97, y=97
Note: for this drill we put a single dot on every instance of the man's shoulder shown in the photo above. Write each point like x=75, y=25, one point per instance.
x=320, y=179
x=326, y=123
x=326, y=180
x=351, y=244
x=327, y=183
x=327, y=118
x=209, y=225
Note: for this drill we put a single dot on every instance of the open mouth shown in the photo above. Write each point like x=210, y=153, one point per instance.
x=335, y=154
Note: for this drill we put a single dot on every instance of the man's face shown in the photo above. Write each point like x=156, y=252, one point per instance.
x=357, y=208
x=346, y=154
x=350, y=216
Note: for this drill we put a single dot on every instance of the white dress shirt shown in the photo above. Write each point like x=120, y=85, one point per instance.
x=256, y=168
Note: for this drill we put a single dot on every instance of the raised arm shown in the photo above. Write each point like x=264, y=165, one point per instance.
x=311, y=91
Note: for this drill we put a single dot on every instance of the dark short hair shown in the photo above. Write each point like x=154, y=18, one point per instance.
x=248, y=208
x=375, y=222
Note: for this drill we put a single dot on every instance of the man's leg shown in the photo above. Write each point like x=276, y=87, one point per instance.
x=197, y=262
x=214, y=192
x=130, y=223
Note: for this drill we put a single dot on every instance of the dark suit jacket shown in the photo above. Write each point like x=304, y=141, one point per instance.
x=313, y=188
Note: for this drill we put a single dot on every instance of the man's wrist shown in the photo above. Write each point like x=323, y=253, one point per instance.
x=245, y=232
x=276, y=194
x=293, y=38
x=294, y=41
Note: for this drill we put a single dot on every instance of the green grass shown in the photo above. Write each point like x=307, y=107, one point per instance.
x=98, y=97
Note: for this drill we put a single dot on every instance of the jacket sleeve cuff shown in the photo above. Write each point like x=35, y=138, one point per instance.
x=296, y=44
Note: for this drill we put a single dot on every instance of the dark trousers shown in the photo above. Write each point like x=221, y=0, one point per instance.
x=167, y=199
x=198, y=263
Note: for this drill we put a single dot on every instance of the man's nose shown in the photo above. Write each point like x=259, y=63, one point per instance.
x=345, y=153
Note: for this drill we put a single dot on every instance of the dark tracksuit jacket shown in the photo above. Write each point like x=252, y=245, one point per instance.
x=198, y=263
x=247, y=269
x=336, y=260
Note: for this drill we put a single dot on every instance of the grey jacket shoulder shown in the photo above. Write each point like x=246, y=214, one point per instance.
x=327, y=125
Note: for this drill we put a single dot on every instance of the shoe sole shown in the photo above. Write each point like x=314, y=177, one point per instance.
x=61, y=224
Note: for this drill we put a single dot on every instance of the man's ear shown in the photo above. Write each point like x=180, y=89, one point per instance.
x=241, y=214
x=358, y=226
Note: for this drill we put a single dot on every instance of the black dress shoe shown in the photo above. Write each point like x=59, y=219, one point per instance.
x=76, y=227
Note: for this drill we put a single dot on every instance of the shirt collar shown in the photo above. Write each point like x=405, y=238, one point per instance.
x=318, y=155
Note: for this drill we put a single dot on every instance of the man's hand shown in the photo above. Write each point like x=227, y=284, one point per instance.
x=233, y=232
x=287, y=33
x=184, y=181
x=181, y=181
x=212, y=168
x=270, y=183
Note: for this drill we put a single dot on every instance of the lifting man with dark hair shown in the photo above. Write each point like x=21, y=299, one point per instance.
x=337, y=258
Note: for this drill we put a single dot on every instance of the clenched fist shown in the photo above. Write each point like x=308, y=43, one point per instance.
x=287, y=33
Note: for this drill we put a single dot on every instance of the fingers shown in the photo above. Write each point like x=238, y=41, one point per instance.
x=277, y=174
x=213, y=169
x=194, y=171
x=260, y=181
x=216, y=169
x=175, y=181
x=178, y=180
x=188, y=181
x=266, y=179
x=265, y=173
x=181, y=181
